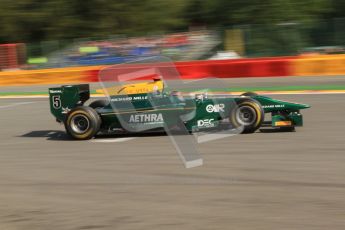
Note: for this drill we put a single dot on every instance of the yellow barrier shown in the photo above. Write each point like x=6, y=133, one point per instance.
x=322, y=65
x=47, y=76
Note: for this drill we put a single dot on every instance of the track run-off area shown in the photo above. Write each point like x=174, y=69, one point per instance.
x=271, y=180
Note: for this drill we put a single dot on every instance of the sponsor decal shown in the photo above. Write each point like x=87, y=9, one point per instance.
x=283, y=123
x=55, y=91
x=129, y=98
x=216, y=108
x=140, y=98
x=146, y=118
x=206, y=123
x=121, y=99
x=273, y=106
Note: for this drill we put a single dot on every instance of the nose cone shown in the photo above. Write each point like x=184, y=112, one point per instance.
x=296, y=106
x=305, y=106
x=270, y=104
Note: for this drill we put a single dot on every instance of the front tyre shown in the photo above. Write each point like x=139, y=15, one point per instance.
x=82, y=123
x=247, y=114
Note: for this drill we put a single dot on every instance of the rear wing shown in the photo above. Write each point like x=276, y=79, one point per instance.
x=63, y=99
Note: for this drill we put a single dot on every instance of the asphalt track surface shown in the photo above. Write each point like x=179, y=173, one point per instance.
x=255, y=181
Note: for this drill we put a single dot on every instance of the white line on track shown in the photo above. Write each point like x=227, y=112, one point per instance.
x=212, y=137
x=112, y=140
x=25, y=96
x=15, y=143
x=15, y=104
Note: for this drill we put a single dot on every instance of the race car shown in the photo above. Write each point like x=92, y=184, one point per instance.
x=144, y=107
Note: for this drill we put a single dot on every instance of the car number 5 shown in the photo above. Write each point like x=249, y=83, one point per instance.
x=56, y=102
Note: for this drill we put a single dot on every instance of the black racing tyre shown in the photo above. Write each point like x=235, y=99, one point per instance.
x=82, y=123
x=249, y=114
x=249, y=94
x=99, y=104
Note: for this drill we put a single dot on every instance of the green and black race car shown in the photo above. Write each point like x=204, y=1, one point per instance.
x=142, y=111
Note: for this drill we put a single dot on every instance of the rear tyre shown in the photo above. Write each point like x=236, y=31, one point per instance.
x=99, y=104
x=247, y=114
x=82, y=123
x=249, y=94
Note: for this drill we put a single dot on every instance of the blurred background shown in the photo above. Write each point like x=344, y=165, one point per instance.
x=60, y=33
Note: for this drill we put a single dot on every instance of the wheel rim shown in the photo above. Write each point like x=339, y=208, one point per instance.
x=80, y=124
x=246, y=115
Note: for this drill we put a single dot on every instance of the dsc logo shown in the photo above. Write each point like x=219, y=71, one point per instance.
x=206, y=123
